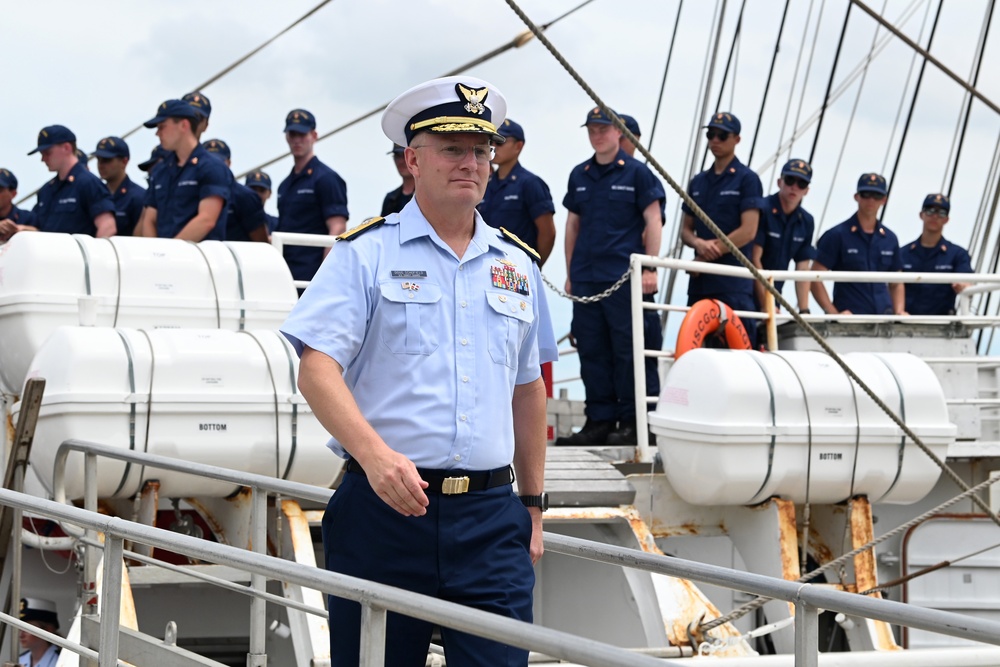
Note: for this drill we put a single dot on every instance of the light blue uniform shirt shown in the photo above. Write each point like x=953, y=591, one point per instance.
x=432, y=345
x=49, y=658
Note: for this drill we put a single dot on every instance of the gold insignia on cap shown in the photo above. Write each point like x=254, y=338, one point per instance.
x=44, y=133
x=474, y=98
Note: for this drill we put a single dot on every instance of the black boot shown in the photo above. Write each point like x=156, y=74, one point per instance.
x=593, y=434
x=624, y=435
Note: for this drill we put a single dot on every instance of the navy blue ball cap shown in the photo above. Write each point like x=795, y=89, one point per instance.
x=172, y=109
x=799, y=169
x=938, y=201
x=217, y=147
x=873, y=183
x=597, y=117
x=449, y=105
x=111, y=147
x=258, y=179
x=300, y=120
x=725, y=121
x=8, y=179
x=53, y=135
x=509, y=128
x=200, y=103
x=397, y=150
x=631, y=123
x=157, y=154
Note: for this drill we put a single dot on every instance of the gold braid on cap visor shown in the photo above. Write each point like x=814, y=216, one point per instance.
x=454, y=124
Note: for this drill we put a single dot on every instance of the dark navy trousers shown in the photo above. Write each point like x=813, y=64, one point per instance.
x=652, y=335
x=603, y=332
x=470, y=548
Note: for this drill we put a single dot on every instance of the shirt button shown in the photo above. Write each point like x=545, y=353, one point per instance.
x=410, y=295
x=458, y=457
x=465, y=378
x=461, y=267
x=464, y=304
x=465, y=341
x=464, y=418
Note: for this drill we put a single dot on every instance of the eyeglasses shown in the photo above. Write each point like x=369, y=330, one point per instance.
x=792, y=181
x=716, y=134
x=936, y=212
x=483, y=154
x=871, y=195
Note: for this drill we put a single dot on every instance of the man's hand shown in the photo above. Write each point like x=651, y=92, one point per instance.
x=7, y=229
x=537, y=547
x=396, y=481
x=649, y=282
x=708, y=250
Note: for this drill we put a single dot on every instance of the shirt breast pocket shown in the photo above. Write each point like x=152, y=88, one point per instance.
x=885, y=261
x=622, y=200
x=509, y=317
x=410, y=317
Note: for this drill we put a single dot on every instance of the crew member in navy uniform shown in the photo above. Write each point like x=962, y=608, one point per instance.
x=861, y=243
x=421, y=340
x=245, y=219
x=312, y=199
x=37, y=652
x=730, y=193
x=189, y=187
x=614, y=204
x=933, y=253
x=786, y=230
x=155, y=157
x=395, y=201
x=652, y=331
x=10, y=215
x=260, y=182
x=75, y=201
x=112, y=158
x=516, y=199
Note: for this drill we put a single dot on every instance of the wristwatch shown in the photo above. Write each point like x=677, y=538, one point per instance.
x=541, y=501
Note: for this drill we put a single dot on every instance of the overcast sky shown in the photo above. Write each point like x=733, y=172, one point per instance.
x=102, y=67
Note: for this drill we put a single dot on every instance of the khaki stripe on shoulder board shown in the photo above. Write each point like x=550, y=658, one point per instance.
x=521, y=244
x=370, y=223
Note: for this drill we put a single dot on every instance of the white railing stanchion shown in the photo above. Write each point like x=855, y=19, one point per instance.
x=639, y=361
x=111, y=600
x=90, y=552
x=806, y=635
x=373, y=621
x=257, y=657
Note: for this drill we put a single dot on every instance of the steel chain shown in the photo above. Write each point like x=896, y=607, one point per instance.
x=589, y=299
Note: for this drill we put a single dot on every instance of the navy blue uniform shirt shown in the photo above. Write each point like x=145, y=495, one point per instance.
x=178, y=190
x=515, y=202
x=784, y=238
x=128, y=199
x=272, y=222
x=305, y=201
x=19, y=216
x=395, y=201
x=724, y=197
x=610, y=200
x=71, y=205
x=847, y=247
x=246, y=213
x=945, y=257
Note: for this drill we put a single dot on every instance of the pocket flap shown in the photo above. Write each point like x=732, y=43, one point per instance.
x=410, y=291
x=511, y=305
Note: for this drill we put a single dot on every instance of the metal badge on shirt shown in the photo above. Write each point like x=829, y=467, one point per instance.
x=509, y=278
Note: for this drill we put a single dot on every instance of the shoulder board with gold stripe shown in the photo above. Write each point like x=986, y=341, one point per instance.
x=521, y=244
x=370, y=223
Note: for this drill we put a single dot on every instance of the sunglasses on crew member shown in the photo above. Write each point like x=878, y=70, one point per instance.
x=936, y=212
x=871, y=195
x=716, y=134
x=792, y=181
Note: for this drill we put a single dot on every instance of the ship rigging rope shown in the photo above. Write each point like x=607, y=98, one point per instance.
x=829, y=83
x=666, y=68
x=906, y=86
x=731, y=247
x=767, y=85
x=850, y=124
x=805, y=80
x=927, y=570
x=518, y=41
x=761, y=601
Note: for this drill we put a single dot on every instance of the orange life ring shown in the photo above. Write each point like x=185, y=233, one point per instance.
x=704, y=319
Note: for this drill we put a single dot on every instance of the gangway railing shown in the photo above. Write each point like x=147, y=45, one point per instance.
x=979, y=282
x=376, y=599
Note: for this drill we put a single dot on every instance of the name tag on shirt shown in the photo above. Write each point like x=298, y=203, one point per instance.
x=776, y=235
x=184, y=183
x=852, y=251
x=511, y=198
x=730, y=192
x=304, y=191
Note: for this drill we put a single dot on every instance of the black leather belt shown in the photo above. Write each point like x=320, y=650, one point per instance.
x=451, y=482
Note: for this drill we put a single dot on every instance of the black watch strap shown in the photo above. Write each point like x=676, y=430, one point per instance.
x=540, y=501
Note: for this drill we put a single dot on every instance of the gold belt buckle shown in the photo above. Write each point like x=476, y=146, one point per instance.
x=453, y=485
